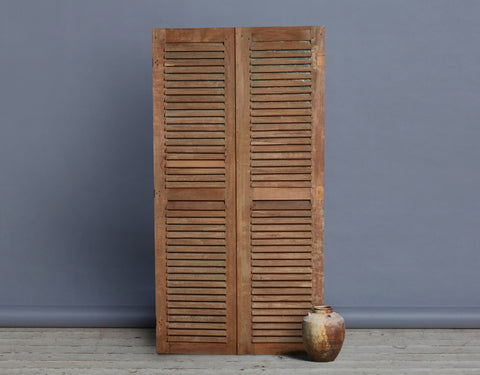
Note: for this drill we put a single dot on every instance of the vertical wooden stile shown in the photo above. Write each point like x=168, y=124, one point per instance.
x=230, y=192
x=158, y=46
x=318, y=162
x=244, y=282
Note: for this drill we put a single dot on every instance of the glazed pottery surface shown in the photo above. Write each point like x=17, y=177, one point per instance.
x=323, y=333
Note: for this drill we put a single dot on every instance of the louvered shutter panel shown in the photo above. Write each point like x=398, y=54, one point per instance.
x=194, y=161
x=280, y=134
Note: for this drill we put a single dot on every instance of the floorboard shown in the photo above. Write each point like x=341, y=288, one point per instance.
x=108, y=351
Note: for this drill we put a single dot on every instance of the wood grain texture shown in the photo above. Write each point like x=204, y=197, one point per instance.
x=158, y=46
x=244, y=323
x=230, y=191
x=318, y=166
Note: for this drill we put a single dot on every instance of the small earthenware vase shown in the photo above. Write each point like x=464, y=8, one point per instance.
x=323, y=333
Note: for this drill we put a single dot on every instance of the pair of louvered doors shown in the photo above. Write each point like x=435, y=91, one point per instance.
x=238, y=144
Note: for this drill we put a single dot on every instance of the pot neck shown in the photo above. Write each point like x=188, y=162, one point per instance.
x=324, y=309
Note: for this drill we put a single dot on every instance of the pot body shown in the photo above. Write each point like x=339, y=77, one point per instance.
x=323, y=333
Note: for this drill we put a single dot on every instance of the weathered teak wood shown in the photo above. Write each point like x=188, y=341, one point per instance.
x=238, y=145
x=244, y=282
x=194, y=149
x=280, y=133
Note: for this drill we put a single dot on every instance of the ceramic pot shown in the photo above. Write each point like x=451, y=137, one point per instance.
x=323, y=332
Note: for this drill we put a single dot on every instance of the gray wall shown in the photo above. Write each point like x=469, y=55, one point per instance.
x=402, y=156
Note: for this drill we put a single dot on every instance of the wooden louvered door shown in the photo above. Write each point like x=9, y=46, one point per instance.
x=280, y=184
x=194, y=147
x=238, y=158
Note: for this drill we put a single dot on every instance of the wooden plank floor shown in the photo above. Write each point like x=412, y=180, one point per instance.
x=105, y=351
